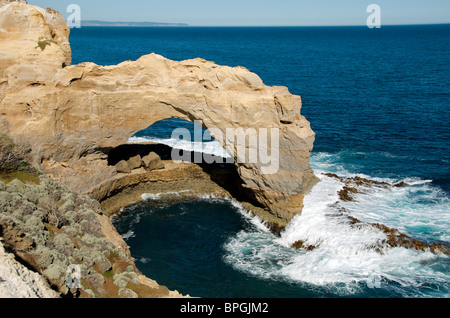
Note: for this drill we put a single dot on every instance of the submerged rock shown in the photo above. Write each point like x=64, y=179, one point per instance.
x=344, y=194
x=394, y=238
x=354, y=185
x=301, y=245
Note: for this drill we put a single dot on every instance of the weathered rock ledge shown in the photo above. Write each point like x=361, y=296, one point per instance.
x=163, y=176
x=48, y=227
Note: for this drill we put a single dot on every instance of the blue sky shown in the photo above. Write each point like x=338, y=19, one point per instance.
x=257, y=12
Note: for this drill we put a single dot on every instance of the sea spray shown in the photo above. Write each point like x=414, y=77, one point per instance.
x=418, y=209
x=344, y=259
x=387, y=135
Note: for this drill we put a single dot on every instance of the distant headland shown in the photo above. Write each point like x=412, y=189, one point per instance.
x=132, y=24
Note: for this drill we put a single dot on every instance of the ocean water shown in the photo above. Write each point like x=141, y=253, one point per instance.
x=379, y=102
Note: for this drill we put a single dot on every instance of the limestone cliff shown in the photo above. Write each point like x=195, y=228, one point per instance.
x=79, y=112
x=4, y=2
x=17, y=281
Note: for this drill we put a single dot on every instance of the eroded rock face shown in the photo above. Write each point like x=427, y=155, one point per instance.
x=4, y=2
x=67, y=112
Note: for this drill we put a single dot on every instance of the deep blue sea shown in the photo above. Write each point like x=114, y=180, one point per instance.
x=379, y=102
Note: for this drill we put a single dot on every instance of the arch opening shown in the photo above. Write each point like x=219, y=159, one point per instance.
x=159, y=138
x=173, y=139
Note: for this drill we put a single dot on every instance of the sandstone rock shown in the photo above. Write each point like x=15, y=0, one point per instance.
x=16, y=281
x=134, y=162
x=153, y=162
x=122, y=167
x=23, y=28
x=4, y=2
x=68, y=111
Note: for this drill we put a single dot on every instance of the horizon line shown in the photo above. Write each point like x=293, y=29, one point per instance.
x=186, y=25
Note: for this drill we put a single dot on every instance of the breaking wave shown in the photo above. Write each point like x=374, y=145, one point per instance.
x=344, y=260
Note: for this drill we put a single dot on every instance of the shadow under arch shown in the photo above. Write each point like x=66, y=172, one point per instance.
x=158, y=138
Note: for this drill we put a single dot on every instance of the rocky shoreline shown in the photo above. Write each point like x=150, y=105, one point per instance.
x=78, y=117
x=48, y=227
x=165, y=176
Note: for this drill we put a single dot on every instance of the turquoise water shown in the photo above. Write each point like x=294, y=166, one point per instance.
x=379, y=103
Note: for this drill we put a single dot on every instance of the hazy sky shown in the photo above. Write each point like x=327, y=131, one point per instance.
x=257, y=12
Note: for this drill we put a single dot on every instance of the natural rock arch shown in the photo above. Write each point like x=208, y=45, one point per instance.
x=67, y=112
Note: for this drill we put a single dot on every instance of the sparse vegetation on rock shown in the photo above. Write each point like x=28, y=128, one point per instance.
x=13, y=156
x=43, y=44
x=50, y=228
x=41, y=234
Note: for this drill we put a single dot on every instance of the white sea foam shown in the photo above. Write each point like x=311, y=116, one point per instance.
x=158, y=196
x=344, y=259
x=144, y=260
x=419, y=210
x=211, y=197
x=212, y=147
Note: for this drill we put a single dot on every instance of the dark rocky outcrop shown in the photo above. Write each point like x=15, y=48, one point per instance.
x=301, y=245
x=394, y=238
